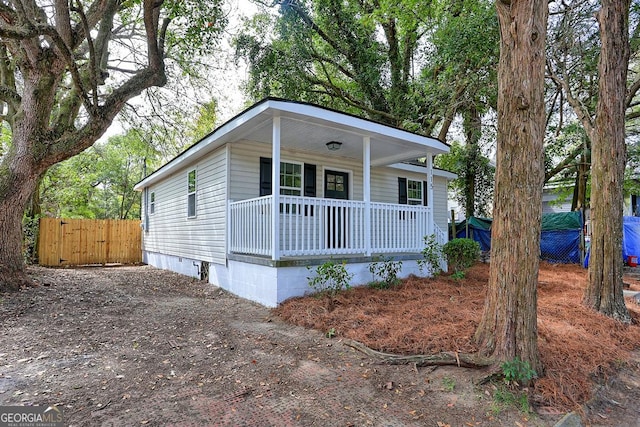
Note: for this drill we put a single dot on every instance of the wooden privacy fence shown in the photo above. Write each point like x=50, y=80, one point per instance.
x=65, y=242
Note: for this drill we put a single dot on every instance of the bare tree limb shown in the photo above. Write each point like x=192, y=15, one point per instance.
x=580, y=110
x=440, y=359
x=632, y=92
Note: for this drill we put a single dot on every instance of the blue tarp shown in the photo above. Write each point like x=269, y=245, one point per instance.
x=562, y=246
x=559, y=241
x=630, y=238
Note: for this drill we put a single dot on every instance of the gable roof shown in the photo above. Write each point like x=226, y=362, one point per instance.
x=307, y=127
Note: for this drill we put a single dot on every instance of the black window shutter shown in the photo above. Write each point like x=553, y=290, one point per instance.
x=265, y=176
x=424, y=193
x=309, y=180
x=402, y=191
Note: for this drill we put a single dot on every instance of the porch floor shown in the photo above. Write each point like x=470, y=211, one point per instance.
x=319, y=259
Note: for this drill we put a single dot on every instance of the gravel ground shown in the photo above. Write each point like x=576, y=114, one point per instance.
x=141, y=346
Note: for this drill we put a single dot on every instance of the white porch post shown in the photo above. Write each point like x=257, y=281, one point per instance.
x=366, y=171
x=275, y=190
x=431, y=229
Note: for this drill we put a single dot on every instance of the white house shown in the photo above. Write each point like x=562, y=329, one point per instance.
x=286, y=185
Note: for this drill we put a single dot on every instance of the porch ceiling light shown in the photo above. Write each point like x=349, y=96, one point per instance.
x=333, y=145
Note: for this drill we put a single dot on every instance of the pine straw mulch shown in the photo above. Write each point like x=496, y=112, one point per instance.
x=428, y=316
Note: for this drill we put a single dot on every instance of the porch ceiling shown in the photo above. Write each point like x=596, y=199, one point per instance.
x=307, y=127
x=312, y=135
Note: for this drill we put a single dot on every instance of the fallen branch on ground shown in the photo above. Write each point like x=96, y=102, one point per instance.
x=441, y=359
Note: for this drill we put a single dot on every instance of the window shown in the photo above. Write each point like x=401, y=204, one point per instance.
x=290, y=179
x=290, y=185
x=152, y=202
x=296, y=179
x=191, y=194
x=414, y=192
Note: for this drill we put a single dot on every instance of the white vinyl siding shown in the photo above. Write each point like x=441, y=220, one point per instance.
x=440, y=210
x=245, y=169
x=384, y=188
x=200, y=238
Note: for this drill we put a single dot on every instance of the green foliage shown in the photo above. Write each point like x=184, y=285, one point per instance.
x=197, y=27
x=458, y=275
x=98, y=183
x=431, y=256
x=474, y=183
x=30, y=230
x=448, y=384
x=461, y=253
x=205, y=123
x=5, y=137
x=387, y=270
x=402, y=63
x=330, y=279
x=517, y=372
x=503, y=398
x=331, y=333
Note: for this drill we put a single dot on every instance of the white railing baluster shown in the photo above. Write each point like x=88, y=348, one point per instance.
x=314, y=226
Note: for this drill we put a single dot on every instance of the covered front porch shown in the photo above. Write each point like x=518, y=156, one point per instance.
x=335, y=220
x=294, y=226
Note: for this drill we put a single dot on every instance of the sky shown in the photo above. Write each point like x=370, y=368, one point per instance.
x=230, y=98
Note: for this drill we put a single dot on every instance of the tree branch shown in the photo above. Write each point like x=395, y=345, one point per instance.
x=10, y=96
x=72, y=143
x=92, y=52
x=580, y=110
x=63, y=21
x=567, y=162
x=440, y=359
x=632, y=115
x=632, y=91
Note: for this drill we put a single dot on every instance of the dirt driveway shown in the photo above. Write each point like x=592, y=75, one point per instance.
x=140, y=346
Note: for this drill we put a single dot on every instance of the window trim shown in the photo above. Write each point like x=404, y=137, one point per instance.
x=152, y=202
x=193, y=193
x=414, y=199
x=302, y=183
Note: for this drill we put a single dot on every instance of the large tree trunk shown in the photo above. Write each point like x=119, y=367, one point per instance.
x=17, y=183
x=580, y=187
x=508, y=327
x=604, y=290
x=48, y=126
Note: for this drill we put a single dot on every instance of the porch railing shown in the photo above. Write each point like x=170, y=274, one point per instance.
x=314, y=226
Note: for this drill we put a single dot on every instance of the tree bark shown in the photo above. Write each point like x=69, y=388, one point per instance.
x=473, y=131
x=45, y=126
x=604, y=291
x=17, y=183
x=508, y=327
x=20, y=169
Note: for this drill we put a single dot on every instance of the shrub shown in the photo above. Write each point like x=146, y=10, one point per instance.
x=30, y=231
x=517, y=372
x=330, y=278
x=461, y=253
x=431, y=256
x=387, y=270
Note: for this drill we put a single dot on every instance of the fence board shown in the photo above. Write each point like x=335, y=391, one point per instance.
x=66, y=242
